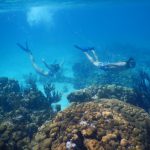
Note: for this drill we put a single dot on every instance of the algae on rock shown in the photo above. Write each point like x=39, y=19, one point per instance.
x=96, y=125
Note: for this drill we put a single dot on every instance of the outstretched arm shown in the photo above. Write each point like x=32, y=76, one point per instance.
x=46, y=64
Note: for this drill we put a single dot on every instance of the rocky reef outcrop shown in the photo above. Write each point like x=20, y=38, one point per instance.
x=103, y=91
x=21, y=113
x=105, y=124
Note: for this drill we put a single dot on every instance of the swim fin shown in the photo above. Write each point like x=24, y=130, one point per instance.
x=26, y=49
x=84, y=49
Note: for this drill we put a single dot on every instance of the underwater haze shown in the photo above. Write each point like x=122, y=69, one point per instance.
x=55, y=52
x=52, y=29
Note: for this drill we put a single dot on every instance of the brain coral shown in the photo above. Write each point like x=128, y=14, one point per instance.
x=106, y=124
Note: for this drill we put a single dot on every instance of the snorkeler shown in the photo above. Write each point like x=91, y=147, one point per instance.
x=118, y=66
x=52, y=68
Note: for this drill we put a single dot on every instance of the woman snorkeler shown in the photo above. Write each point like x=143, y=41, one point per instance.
x=117, y=66
x=52, y=68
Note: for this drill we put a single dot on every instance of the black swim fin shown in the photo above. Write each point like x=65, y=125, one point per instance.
x=84, y=49
x=26, y=49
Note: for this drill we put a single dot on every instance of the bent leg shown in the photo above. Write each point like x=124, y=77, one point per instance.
x=96, y=62
x=89, y=58
x=36, y=67
x=95, y=55
x=46, y=64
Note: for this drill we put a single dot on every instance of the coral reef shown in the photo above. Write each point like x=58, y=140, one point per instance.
x=9, y=94
x=21, y=114
x=94, y=124
x=103, y=91
x=106, y=124
x=52, y=95
x=30, y=81
x=141, y=86
x=138, y=95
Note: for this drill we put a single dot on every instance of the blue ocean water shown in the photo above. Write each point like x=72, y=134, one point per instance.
x=117, y=29
x=108, y=100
